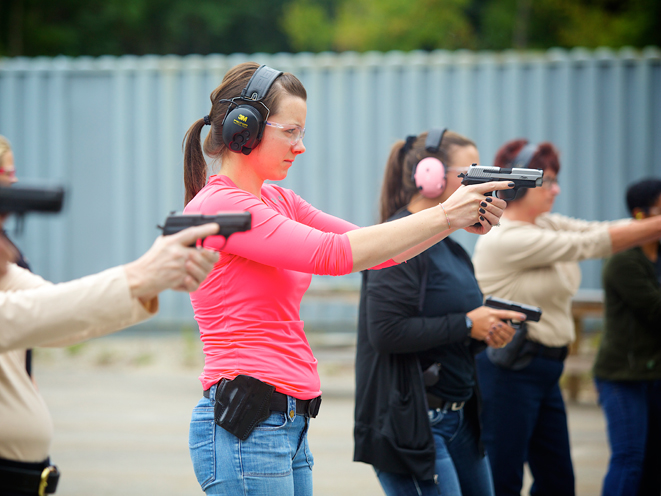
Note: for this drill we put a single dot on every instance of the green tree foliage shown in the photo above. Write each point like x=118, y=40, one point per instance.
x=565, y=23
x=378, y=25
x=97, y=27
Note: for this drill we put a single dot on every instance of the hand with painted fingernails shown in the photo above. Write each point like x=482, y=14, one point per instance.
x=468, y=208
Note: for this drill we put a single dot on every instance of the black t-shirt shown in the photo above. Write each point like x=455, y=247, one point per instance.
x=451, y=289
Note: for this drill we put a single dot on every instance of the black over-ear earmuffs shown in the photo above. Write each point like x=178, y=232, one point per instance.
x=522, y=161
x=243, y=125
x=428, y=175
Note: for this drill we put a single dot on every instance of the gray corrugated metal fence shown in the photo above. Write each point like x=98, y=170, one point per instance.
x=111, y=130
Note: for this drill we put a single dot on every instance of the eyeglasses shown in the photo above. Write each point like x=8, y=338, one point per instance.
x=549, y=182
x=8, y=172
x=294, y=133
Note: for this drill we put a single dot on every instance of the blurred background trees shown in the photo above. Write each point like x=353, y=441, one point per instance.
x=115, y=27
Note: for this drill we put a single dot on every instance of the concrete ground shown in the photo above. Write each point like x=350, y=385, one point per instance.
x=121, y=407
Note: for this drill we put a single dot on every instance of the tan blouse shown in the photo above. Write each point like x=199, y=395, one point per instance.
x=537, y=264
x=34, y=312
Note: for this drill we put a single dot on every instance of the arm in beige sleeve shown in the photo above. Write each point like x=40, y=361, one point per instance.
x=635, y=233
x=532, y=246
x=624, y=233
x=38, y=314
x=564, y=223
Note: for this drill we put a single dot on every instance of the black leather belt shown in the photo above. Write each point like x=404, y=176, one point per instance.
x=552, y=353
x=28, y=478
x=435, y=402
x=309, y=408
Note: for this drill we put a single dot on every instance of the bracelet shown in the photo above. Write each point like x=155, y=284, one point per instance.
x=446, y=215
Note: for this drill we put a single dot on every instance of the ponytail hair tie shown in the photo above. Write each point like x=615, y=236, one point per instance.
x=409, y=144
x=207, y=121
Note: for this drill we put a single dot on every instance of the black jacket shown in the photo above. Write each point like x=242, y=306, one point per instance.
x=392, y=430
x=630, y=348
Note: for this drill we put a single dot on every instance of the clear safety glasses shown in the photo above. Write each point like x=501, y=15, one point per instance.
x=294, y=133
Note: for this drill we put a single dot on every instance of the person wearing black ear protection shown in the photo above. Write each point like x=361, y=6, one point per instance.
x=248, y=433
x=627, y=370
x=533, y=258
x=420, y=430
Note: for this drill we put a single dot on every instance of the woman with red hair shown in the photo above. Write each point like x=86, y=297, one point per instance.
x=532, y=258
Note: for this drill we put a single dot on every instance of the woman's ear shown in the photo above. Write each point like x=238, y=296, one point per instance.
x=638, y=213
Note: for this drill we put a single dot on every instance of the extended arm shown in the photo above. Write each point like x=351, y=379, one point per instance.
x=328, y=223
x=624, y=233
x=280, y=241
x=37, y=313
x=93, y=305
x=405, y=238
x=635, y=233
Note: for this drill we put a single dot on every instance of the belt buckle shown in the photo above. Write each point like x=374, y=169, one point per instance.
x=457, y=406
x=44, y=479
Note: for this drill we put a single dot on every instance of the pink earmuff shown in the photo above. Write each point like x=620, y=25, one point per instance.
x=430, y=177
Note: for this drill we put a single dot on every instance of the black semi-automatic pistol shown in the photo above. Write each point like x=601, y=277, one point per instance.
x=533, y=314
x=20, y=200
x=228, y=222
x=522, y=178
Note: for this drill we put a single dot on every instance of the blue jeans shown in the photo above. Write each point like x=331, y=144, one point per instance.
x=633, y=412
x=275, y=460
x=524, y=420
x=461, y=468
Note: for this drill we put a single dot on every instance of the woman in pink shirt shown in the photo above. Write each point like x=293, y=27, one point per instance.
x=260, y=377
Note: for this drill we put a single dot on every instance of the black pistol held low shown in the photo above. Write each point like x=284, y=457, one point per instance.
x=533, y=314
x=228, y=222
x=515, y=355
x=522, y=178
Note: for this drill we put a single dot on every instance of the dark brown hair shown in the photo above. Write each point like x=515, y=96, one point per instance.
x=236, y=79
x=398, y=187
x=545, y=158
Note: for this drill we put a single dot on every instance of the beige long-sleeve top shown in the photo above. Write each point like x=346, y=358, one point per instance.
x=537, y=264
x=34, y=312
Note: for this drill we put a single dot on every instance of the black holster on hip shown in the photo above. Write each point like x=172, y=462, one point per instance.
x=241, y=404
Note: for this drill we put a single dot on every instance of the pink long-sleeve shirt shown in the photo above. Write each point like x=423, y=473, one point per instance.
x=248, y=307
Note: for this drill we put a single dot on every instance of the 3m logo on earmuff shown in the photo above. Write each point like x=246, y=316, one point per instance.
x=243, y=118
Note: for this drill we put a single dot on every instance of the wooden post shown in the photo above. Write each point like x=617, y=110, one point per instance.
x=585, y=303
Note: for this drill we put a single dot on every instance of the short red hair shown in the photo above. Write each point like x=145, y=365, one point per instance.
x=545, y=158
